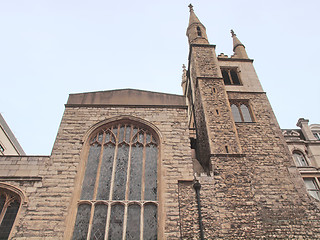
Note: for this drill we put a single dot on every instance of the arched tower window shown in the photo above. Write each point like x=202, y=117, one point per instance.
x=9, y=206
x=199, y=31
x=119, y=190
x=300, y=159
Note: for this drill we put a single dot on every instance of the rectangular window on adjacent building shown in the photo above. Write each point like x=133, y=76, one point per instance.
x=241, y=111
x=230, y=76
x=317, y=135
x=312, y=185
x=1, y=148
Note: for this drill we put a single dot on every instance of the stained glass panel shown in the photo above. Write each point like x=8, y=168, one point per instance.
x=143, y=152
x=151, y=172
x=133, y=222
x=121, y=172
x=150, y=222
x=116, y=222
x=106, y=172
x=91, y=172
x=99, y=222
x=82, y=222
x=8, y=219
x=136, y=172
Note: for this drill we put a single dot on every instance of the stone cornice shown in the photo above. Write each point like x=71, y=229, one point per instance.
x=123, y=105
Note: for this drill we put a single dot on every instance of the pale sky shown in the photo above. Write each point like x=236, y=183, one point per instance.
x=49, y=49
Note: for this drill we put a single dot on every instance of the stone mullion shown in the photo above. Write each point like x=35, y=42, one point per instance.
x=141, y=220
x=96, y=186
x=229, y=74
x=125, y=217
x=90, y=221
x=143, y=183
x=112, y=183
x=99, y=167
x=240, y=111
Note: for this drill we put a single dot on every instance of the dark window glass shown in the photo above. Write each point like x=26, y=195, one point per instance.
x=234, y=77
x=317, y=135
x=121, y=172
x=106, y=172
x=82, y=222
x=136, y=172
x=133, y=222
x=91, y=172
x=121, y=159
x=2, y=201
x=8, y=219
x=150, y=222
x=151, y=173
x=199, y=32
x=116, y=222
x=226, y=78
x=1, y=148
x=9, y=206
x=99, y=222
x=230, y=76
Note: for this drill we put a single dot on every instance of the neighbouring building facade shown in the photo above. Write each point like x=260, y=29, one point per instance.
x=9, y=145
x=304, y=145
x=131, y=164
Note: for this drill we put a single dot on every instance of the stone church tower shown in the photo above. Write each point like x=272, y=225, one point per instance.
x=133, y=164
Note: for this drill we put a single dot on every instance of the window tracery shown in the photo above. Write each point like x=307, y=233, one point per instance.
x=9, y=206
x=119, y=190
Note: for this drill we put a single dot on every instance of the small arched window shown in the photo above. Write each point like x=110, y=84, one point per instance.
x=236, y=113
x=300, y=159
x=9, y=206
x=240, y=111
x=119, y=189
x=199, y=31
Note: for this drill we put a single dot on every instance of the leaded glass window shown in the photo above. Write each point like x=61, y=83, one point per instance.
x=119, y=190
x=9, y=206
x=241, y=111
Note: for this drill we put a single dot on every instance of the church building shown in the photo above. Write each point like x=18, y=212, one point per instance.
x=132, y=164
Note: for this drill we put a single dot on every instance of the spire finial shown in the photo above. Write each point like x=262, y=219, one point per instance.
x=183, y=67
x=232, y=33
x=191, y=7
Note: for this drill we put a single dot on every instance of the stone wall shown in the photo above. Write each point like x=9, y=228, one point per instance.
x=51, y=203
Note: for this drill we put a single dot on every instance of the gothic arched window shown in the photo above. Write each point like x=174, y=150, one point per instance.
x=9, y=206
x=300, y=159
x=119, y=190
x=240, y=111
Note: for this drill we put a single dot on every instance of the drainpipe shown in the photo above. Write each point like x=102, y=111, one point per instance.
x=197, y=187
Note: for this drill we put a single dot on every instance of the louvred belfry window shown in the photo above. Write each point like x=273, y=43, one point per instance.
x=119, y=190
